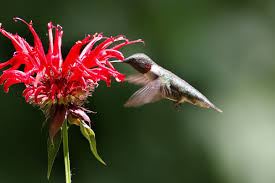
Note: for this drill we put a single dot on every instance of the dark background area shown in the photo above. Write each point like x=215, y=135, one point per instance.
x=223, y=48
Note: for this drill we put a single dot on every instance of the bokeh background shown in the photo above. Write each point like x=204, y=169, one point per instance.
x=223, y=48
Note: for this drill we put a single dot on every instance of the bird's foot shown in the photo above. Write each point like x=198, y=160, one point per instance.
x=177, y=105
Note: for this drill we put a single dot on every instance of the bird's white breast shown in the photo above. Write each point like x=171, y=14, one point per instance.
x=155, y=69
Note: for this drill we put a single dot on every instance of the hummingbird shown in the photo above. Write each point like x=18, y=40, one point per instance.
x=159, y=83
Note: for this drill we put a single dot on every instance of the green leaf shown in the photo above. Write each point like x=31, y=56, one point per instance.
x=89, y=134
x=53, y=147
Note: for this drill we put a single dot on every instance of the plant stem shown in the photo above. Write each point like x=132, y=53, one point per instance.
x=66, y=152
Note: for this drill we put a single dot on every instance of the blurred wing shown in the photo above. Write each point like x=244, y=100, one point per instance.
x=138, y=79
x=147, y=94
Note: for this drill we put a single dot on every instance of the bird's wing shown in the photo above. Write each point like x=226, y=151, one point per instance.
x=138, y=79
x=149, y=93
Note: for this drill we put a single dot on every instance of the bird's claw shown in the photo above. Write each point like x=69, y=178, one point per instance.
x=177, y=105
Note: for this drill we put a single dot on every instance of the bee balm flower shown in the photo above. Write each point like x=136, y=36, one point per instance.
x=60, y=87
x=56, y=84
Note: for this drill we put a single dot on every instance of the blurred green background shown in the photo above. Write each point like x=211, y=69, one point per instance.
x=223, y=48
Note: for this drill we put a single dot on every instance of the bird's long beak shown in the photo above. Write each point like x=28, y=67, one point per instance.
x=117, y=61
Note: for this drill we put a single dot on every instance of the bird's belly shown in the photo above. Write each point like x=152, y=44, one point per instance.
x=171, y=98
x=182, y=99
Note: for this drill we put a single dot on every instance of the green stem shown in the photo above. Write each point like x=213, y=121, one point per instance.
x=66, y=152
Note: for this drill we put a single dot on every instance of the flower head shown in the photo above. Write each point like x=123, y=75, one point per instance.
x=58, y=86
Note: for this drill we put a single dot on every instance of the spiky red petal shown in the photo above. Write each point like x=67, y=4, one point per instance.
x=44, y=71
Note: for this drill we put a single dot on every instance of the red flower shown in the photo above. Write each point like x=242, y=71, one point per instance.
x=56, y=85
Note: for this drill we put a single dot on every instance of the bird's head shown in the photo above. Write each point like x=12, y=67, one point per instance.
x=139, y=61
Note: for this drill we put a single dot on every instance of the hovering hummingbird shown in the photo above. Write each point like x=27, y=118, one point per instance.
x=160, y=83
